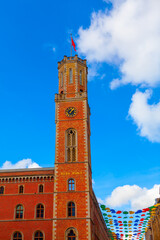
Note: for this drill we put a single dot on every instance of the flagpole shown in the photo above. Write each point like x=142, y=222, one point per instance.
x=71, y=44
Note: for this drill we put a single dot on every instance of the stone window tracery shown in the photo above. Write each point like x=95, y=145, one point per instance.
x=71, y=145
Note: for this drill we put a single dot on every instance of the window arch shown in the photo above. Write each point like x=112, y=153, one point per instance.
x=38, y=235
x=71, y=184
x=40, y=211
x=71, y=145
x=1, y=190
x=21, y=189
x=41, y=188
x=71, y=209
x=19, y=211
x=70, y=75
x=17, y=236
x=71, y=234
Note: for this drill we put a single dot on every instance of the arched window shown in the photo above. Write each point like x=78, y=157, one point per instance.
x=1, y=190
x=21, y=189
x=80, y=76
x=61, y=79
x=19, y=211
x=40, y=211
x=71, y=184
x=71, y=145
x=71, y=209
x=38, y=235
x=71, y=234
x=70, y=76
x=41, y=188
x=17, y=236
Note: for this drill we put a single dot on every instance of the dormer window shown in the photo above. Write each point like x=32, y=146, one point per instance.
x=70, y=76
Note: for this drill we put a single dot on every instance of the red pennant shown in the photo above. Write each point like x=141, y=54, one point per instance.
x=73, y=44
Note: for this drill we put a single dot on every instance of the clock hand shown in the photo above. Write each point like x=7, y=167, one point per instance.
x=71, y=110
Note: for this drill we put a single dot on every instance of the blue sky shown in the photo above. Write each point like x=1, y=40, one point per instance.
x=34, y=37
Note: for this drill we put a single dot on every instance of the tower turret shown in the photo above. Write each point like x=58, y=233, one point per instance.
x=72, y=73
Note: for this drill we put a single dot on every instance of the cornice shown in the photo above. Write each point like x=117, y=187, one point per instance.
x=26, y=170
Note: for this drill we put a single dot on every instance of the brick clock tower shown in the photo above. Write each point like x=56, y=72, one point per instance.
x=76, y=213
x=57, y=203
x=73, y=178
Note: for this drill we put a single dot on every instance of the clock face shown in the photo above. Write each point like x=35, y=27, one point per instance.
x=70, y=112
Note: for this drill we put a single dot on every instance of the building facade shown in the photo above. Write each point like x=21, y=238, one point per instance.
x=57, y=203
x=153, y=232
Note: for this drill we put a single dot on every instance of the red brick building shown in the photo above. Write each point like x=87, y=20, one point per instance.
x=57, y=203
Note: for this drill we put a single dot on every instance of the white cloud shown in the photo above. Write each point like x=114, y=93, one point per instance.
x=145, y=116
x=100, y=201
x=135, y=196
x=25, y=163
x=129, y=36
x=93, y=182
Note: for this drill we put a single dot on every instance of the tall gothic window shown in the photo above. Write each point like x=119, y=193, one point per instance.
x=19, y=211
x=1, y=190
x=80, y=76
x=21, y=189
x=71, y=184
x=71, y=145
x=70, y=75
x=17, y=236
x=40, y=211
x=38, y=235
x=61, y=79
x=41, y=188
x=71, y=209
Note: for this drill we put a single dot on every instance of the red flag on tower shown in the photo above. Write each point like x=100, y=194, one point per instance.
x=73, y=44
